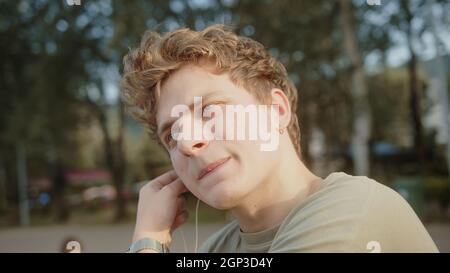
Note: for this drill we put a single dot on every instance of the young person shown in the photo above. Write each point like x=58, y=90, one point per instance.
x=278, y=204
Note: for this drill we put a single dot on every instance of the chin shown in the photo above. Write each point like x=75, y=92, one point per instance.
x=222, y=197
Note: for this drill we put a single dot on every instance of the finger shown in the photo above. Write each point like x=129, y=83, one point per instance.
x=179, y=220
x=175, y=188
x=164, y=179
x=181, y=204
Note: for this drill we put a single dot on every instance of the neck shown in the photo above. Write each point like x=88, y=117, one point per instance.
x=271, y=202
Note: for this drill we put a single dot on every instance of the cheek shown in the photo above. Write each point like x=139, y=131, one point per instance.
x=181, y=168
x=255, y=163
x=179, y=165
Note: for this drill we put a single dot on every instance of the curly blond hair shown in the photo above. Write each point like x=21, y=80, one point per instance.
x=247, y=62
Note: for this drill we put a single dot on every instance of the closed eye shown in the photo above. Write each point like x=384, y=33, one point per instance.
x=169, y=140
x=208, y=107
x=169, y=137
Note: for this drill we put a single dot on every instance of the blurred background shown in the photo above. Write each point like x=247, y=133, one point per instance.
x=372, y=76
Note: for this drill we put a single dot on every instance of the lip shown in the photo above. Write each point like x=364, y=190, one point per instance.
x=212, y=167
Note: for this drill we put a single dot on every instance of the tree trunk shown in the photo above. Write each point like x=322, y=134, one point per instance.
x=59, y=186
x=3, y=188
x=115, y=158
x=361, y=108
x=22, y=177
x=414, y=98
x=119, y=176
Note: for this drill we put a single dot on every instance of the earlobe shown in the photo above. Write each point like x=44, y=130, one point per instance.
x=281, y=110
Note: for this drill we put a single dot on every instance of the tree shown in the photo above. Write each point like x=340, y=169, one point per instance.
x=361, y=109
x=43, y=67
x=414, y=86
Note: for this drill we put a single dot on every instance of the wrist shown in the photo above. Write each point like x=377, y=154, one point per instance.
x=163, y=237
x=147, y=245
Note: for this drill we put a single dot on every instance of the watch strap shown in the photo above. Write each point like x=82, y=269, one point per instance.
x=148, y=243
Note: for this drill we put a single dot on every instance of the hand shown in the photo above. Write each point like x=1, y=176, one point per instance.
x=161, y=208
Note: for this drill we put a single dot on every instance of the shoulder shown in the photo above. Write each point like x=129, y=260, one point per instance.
x=328, y=219
x=223, y=240
x=345, y=215
x=354, y=193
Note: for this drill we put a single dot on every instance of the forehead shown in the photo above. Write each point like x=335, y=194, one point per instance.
x=186, y=82
x=193, y=81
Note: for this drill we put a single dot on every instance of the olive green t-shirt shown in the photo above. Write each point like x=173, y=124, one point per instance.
x=346, y=214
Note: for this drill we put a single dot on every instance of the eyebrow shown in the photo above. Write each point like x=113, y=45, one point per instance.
x=206, y=98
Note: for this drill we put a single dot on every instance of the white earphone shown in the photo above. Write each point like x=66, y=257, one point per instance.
x=196, y=230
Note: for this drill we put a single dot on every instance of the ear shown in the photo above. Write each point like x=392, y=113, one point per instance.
x=284, y=108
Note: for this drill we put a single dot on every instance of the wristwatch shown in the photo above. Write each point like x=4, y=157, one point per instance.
x=148, y=243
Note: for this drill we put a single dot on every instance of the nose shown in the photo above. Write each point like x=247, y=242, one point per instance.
x=191, y=147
